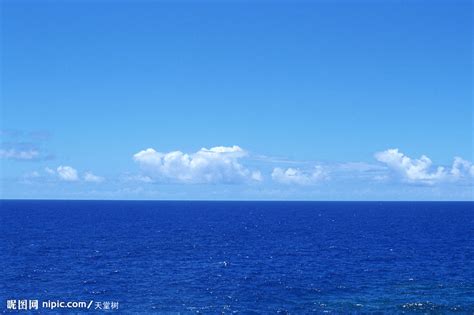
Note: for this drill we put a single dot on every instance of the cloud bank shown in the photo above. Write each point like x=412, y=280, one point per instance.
x=206, y=166
x=224, y=165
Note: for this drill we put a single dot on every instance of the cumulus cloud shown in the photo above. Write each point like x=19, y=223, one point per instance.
x=90, y=177
x=215, y=165
x=422, y=170
x=257, y=176
x=70, y=174
x=14, y=154
x=67, y=173
x=462, y=168
x=297, y=176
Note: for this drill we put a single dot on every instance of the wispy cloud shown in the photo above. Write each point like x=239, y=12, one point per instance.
x=23, y=146
x=298, y=176
x=90, y=177
x=18, y=154
x=138, y=178
x=21, y=134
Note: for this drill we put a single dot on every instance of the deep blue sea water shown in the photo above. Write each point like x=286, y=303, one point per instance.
x=245, y=257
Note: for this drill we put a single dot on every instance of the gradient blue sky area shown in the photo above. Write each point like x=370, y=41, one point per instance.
x=296, y=85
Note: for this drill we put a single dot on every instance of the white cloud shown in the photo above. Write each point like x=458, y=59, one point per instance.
x=14, y=154
x=216, y=165
x=67, y=173
x=421, y=170
x=90, y=177
x=297, y=176
x=70, y=174
x=462, y=168
x=257, y=176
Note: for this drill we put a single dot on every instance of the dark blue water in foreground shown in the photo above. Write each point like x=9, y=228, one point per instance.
x=250, y=257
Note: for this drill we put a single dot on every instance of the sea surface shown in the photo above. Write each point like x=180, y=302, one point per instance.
x=169, y=257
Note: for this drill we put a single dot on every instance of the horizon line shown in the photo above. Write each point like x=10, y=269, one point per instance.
x=225, y=200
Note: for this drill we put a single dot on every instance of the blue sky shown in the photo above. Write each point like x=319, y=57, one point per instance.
x=300, y=100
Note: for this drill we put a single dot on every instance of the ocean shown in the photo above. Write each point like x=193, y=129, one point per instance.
x=187, y=257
